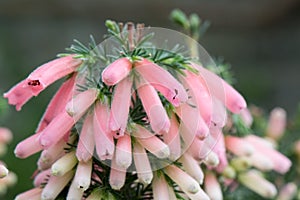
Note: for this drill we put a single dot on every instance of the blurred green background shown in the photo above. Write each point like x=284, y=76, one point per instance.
x=259, y=38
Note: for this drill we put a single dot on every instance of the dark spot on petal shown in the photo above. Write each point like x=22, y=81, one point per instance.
x=34, y=83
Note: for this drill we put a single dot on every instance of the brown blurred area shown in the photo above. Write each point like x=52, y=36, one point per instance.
x=259, y=38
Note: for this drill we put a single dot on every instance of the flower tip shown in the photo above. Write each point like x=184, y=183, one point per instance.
x=164, y=153
x=3, y=171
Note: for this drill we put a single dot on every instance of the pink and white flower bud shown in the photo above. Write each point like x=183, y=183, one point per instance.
x=82, y=179
x=212, y=187
x=193, y=121
x=192, y=167
x=57, y=103
x=41, y=78
x=220, y=150
x=150, y=142
x=200, y=95
x=261, y=161
x=160, y=188
x=103, y=136
x=41, y=177
x=154, y=109
x=33, y=194
x=142, y=164
x=254, y=181
x=5, y=135
x=184, y=181
x=116, y=71
x=82, y=101
x=162, y=81
x=3, y=171
x=117, y=175
x=64, y=164
x=280, y=162
x=287, y=192
x=120, y=107
x=172, y=139
x=238, y=146
x=74, y=192
x=212, y=159
x=123, y=151
x=55, y=185
x=276, y=124
x=86, y=142
x=28, y=147
x=222, y=90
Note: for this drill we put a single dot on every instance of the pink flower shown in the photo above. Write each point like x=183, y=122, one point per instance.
x=58, y=102
x=63, y=122
x=3, y=171
x=156, y=113
x=120, y=107
x=254, y=181
x=117, y=175
x=82, y=179
x=28, y=147
x=200, y=95
x=162, y=81
x=192, y=167
x=184, y=180
x=151, y=142
x=86, y=143
x=276, y=124
x=116, y=71
x=280, y=162
x=123, y=154
x=220, y=150
x=41, y=78
x=239, y=146
x=41, y=178
x=222, y=90
x=142, y=164
x=212, y=187
x=64, y=164
x=5, y=135
x=160, y=188
x=103, y=136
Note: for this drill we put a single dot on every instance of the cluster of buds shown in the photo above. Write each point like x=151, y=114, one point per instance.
x=148, y=118
x=7, y=179
x=154, y=118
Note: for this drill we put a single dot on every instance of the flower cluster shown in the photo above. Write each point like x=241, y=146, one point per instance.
x=150, y=117
x=7, y=179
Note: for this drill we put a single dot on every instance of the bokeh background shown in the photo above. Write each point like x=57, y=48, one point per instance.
x=259, y=38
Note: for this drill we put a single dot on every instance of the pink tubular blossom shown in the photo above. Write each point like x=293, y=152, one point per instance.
x=172, y=139
x=64, y=164
x=103, y=136
x=200, y=95
x=33, y=194
x=86, y=143
x=218, y=88
x=142, y=164
x=55, y=185
x=58, y=102
x=220, y=150
x=160, y=188
x=116, y=71
x=151, y=142
x=255, y=182
x=83, y=175
x=246, y=117
x=5, y=135
x=156, y=113
x=162, y=81
x=276, y=124
x=239, y=146
x=28, y=147
x=123, y=152
x=184, y=181
x=281, y=163
x=261, y=161
x=41, y=78
x=212, y=187
x=193, y=121
x=82, y=101
x=63, y=122
x=120, y=107
x=74, y=193
x=192, y=167
x=117, y=175
x=288, y=191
